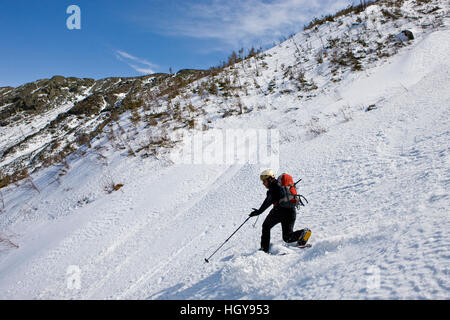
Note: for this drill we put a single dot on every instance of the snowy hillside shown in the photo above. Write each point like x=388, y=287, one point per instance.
x=107, y=225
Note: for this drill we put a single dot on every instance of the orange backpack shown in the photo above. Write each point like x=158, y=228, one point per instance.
x=290, y=198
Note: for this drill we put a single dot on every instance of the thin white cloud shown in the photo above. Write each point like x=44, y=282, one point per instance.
x=238, y=22
x=140, y=65
x=142, y=70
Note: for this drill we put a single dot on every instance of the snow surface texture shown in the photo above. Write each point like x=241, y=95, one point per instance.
x=377, y=184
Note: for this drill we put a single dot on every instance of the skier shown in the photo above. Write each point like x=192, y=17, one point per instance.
x=278, y=214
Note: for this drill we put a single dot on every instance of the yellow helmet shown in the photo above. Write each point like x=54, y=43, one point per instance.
x=266, y=174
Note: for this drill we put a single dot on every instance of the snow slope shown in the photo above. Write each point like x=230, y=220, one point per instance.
x=377, y=184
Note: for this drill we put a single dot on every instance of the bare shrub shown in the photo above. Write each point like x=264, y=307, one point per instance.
x=29, y=179
x=2, y=202
x=346, y=114
x=4, y=180
x=135, y=117
x=83, y=139
x=7, y=242
x=124, y=141
x=315, y=128
x=109, y=185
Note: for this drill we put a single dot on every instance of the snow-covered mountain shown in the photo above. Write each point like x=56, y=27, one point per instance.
x=357, y=105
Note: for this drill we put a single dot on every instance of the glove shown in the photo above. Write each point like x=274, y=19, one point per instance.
x=255, y=212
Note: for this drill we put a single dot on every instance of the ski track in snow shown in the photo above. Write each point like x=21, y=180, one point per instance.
x=378, y=191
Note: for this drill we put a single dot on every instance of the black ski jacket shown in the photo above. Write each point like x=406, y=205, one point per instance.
x=274, y=194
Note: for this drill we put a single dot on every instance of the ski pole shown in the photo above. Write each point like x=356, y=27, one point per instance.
x=256, y=218
x=207, y=260
x=254, y=225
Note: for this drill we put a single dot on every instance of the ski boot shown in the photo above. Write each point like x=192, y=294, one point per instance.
x=304, y=236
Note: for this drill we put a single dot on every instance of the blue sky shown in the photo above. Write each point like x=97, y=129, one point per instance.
x=136, y=37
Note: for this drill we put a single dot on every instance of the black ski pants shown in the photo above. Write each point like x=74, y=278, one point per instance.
x=286, y=217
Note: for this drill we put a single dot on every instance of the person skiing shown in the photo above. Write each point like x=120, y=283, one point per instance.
x=278, y=214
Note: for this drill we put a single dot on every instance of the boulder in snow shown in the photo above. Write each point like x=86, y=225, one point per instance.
x=405, y=35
